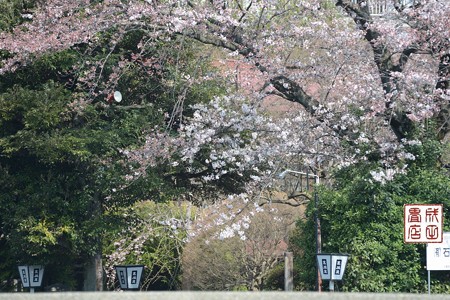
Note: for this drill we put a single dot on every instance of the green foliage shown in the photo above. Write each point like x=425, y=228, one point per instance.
x=31, y=120
x=62, y=181
x=11, y=12
x=303, y=245
x=364, y=218
x=275, y=279
x=54, y=66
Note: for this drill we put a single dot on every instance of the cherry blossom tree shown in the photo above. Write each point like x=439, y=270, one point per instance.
x=368, y=88
x=235, y=253
x=375, y=78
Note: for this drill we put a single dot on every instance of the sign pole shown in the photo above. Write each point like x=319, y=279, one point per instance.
x=429, y=283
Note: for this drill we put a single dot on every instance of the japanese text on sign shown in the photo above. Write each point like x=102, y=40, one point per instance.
x=423, y=223
x=438, y=254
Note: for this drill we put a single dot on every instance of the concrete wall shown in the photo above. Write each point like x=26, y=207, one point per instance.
x=214, y=296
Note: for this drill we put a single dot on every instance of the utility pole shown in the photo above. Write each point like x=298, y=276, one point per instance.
x=316, y=215
x=318, y=231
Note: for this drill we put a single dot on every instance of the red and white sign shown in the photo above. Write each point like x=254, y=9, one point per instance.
x=423, y=223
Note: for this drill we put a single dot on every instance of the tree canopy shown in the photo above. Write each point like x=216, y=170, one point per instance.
x=375, y=80
x=61, y=155
x=371, y=93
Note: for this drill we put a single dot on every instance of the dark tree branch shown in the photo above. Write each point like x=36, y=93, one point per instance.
x=287, y=88
x=293, y=92
x=291, y=202
x=386, y=60
x=383, y=57
x=443, y=85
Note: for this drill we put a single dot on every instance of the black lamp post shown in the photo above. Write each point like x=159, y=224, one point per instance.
x=31, y=276
x=129, y=276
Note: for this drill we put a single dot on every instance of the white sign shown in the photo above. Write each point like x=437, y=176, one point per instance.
x=31, y=276
x=423, y=223
x=324, y=263
x=129, y=276
x=332, y=266
x=438, y=255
